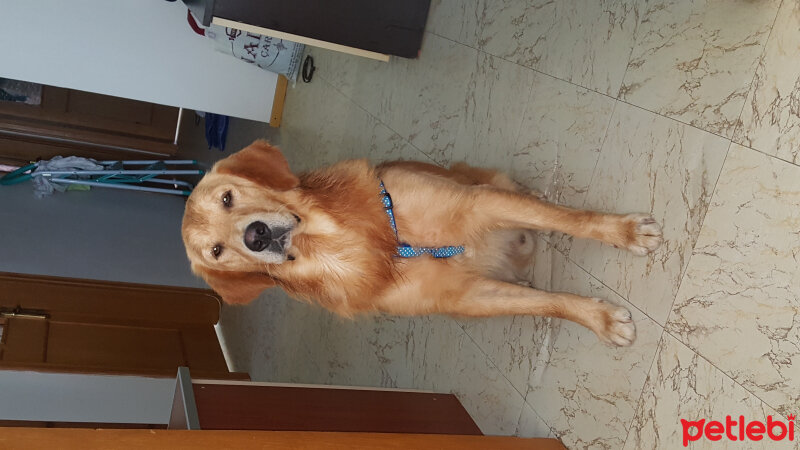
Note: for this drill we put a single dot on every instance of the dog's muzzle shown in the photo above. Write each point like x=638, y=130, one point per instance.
x=259, y=237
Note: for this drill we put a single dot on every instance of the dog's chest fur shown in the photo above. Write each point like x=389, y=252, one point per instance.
x=347, y=246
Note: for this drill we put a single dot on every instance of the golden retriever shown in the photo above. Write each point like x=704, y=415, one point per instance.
x=325, y=236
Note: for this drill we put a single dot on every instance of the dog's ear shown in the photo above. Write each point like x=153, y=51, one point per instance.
x=235, y=287
x=260, y=163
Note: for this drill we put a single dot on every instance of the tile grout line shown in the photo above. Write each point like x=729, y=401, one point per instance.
x=608, y=287
x=524, y=66
x=646, y=379
x=593, y=171
x=739, y=124
x=602, y=283
x=521, y=410
x=549, y=427
x=599, y=155
x=338, y=91
x=677, y=291
x=519, y=417
x=491, y=361
x=699, y=231
x=377, y=119
x=701, y=224
x=686, y=270
x=777, y=158
x=524, y=113
x=630, y=54
x=663, y=328
x=655, y=353
x=714, y=193
x=488, y=358
x=616, y=99
x=725, y=374
x=395, y=131
x=744, y=103
x=755, y=72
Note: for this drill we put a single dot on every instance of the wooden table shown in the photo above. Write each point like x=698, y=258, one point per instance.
x=369, y=28
x=244, y=405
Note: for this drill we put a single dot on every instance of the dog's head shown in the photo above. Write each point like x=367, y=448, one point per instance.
x=238, y=222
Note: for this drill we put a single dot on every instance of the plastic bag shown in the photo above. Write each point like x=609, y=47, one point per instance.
x=42, y=187
x=216, y=130
x=20, y=91
x=269, y=53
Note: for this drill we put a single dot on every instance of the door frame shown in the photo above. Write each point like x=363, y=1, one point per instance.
x=133, y=304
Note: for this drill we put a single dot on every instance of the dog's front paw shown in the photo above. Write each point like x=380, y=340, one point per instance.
x=614, y=324
x=644, y=235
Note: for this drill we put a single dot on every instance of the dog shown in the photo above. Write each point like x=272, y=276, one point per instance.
x=335, y=236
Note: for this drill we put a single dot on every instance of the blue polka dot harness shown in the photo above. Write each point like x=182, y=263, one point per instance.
x=407, y=251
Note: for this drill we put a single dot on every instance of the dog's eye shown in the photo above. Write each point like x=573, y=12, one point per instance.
x=216, y=251
x=227, y=199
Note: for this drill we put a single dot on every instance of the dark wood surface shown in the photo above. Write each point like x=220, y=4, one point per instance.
x=73, y=325
x=91, y=425
x=67, y=439
x=105, y=114
x=278, y=408
x=109, y=301
x=19, y=145
x=388, y=27
x=69, y=122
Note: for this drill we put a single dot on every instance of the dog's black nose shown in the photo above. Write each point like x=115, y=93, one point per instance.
x=257, y=236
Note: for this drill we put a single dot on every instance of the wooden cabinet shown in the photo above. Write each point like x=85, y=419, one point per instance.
x=73, y=122
x=68, y=325
x=269, y=406
x=245, y=405
x=369, y=28
x=318, y=416
x=68, y=439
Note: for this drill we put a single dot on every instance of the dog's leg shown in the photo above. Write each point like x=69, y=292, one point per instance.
x=436, y=211
x=638, y=233
x=611, y=323
x=441, y=288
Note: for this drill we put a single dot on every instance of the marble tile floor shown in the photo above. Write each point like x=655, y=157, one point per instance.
x=686, y=110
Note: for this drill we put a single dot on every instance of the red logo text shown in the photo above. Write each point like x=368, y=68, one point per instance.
x=738, y=430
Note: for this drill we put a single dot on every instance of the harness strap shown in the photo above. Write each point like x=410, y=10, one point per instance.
x=405, y=250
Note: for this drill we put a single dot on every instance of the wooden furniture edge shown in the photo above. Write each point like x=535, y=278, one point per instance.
x=117, y=284
x=299, y=39
x=38, y=438
x=279, y=101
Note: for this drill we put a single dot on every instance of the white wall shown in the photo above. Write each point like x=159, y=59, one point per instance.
x=102, y=234
x=140, y=49
x=62, y=397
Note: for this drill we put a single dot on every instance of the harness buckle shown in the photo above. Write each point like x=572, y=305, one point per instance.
x=390, y=204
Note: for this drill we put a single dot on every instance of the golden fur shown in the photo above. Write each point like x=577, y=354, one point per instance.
x=342, y=250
